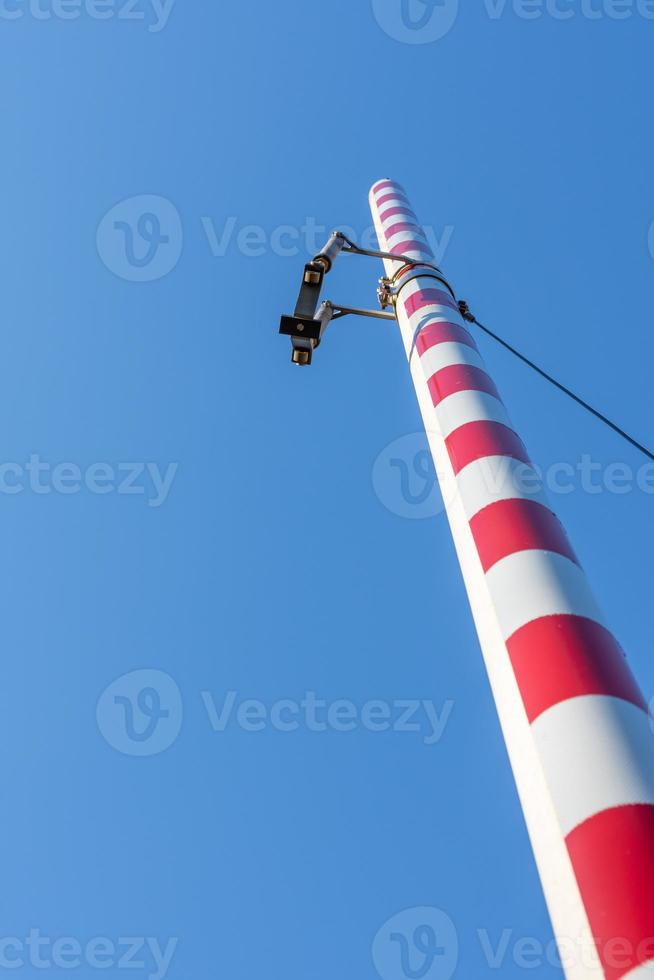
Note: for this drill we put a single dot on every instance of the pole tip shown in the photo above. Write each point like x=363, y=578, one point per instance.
x=385, y=184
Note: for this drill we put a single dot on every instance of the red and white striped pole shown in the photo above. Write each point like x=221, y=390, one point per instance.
x=575, y=723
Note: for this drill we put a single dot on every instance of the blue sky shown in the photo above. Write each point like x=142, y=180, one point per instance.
x=177, y=499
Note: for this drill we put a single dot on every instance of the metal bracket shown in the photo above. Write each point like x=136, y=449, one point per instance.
x=340, y=311
x=309, y=321
x=386, y=294
x=354, y=249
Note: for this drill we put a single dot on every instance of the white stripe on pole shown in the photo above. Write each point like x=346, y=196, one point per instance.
x=494, y=478
x=587, y=746
x=447, y=355
x=464, y=407
x=552, y=588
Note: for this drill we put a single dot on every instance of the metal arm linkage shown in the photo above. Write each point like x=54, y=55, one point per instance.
x=341, y=311
x=311, y=318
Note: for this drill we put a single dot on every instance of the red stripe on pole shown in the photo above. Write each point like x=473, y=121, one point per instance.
x=393, y=196
x=559, y=657
x=459, y=377
x=508, y=526
x=428, y=297
x=403, y=247
x=380, y=185
x=442, y=332
x=396, y=229
x=406, y=212
x=613, y=858
x=476, y=440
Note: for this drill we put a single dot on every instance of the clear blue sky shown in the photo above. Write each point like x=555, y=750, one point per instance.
x=272, y=568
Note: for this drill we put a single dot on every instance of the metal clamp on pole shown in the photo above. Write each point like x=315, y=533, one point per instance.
x=390, y=289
